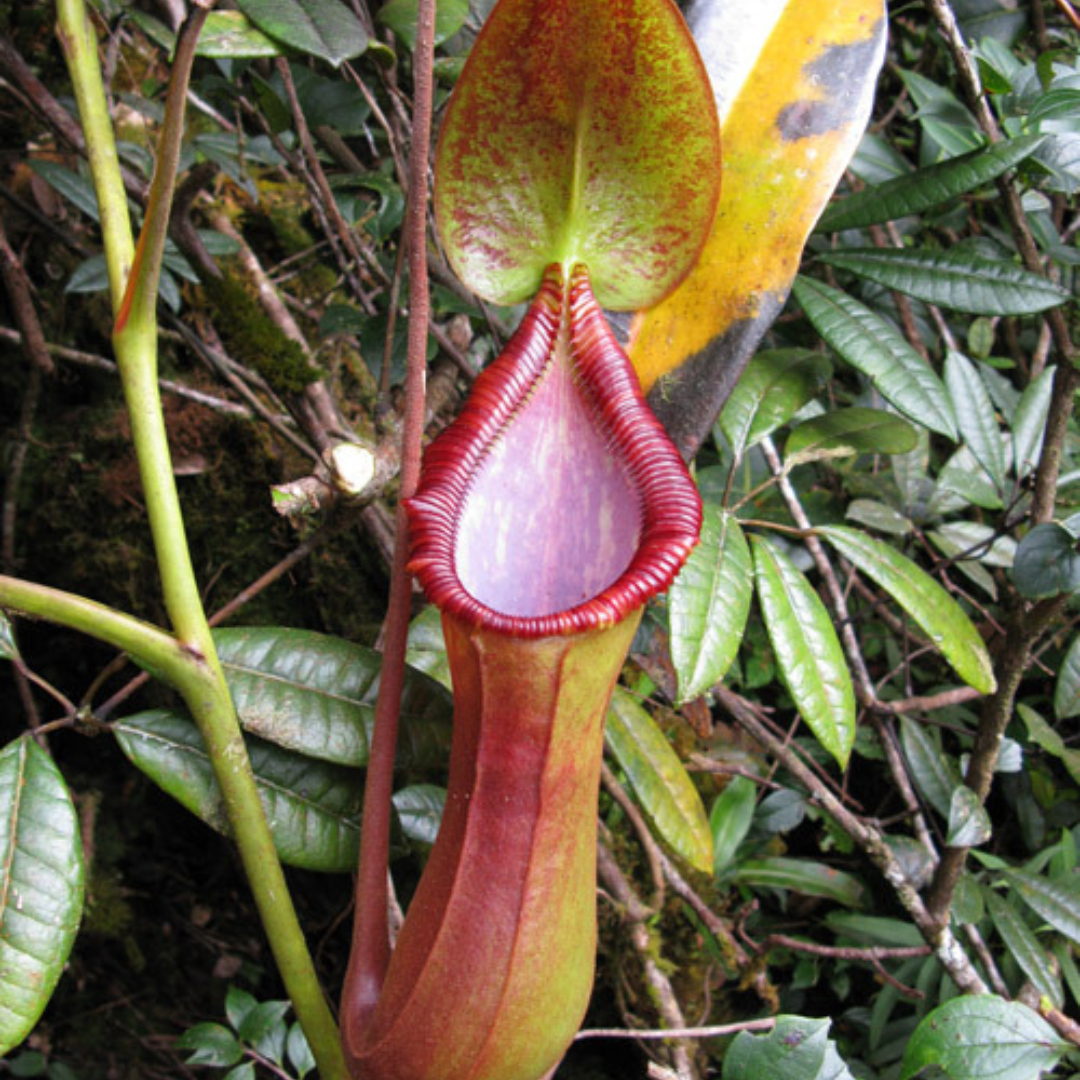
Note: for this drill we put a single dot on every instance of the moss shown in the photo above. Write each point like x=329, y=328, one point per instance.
x=255, y=342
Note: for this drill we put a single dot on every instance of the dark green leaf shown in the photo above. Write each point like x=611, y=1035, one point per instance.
x=1024, y=946
x=1067, y=688
x=90, y=276
x=954, y=279
x=708, y=604
x=969, y=823
x=211, y=1044
x=315, y=694
x=878, y=516
x=324, y=28
x=77, y=189
x=933, y=609
x=798, y=1048
x=231, y=35
x=264, y=1029
x=975, y=416
x=983, y=1038
x=1058, y=902
x=932, y=186
x=313, y=807
x=1043, y=735
x=296, y=1046
x=873, y=346
x=808, y=652
x=774, y=387
x=9, y=650
x=419, y=809
x=935, y=777
x=1047, y=562
x=660, y=781
x=1029, y=422
x=400, y=16
x=730, y=819
x=803, y=876
x=863, y=431
x=427, y=646
x=244, y=1071
x=962, y=477
x=238, y=1003
x=41, y=885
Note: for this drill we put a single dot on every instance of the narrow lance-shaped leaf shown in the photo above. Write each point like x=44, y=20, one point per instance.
x=975, y=415
x=1067, y=687
x=871, y=345
x=1046, y=737
x=937, y=614
x=794, y=82
x=808, y=652
x=959, y=280
x=41, y=885
x=860, y=430
x=1029, y=422
x=935, y=777
x=579, y=131
x=1056, y=902
x=928, y=187
x=803, y=876
x=730, y=819
x=659, y=779
x=1024, y=946
x=708, y=604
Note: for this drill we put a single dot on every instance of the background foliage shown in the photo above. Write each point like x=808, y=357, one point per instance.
x=843, y=769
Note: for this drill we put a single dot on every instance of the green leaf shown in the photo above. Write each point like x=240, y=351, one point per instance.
x=211, y=1044
x=264, y=1029
x=400, y=16
x=969, y=823
x=863, y=431
x=1047, y=562
x=962, y=477
x=419, y=809
x=1067, y=688
x=315, y=694
x=661, y=783
x=299, y=1052
x=983, y=1038
x=1043, y=735
x=41, y=885
x=579, y=131
x=238, y=1003
x=708, y=604
x=1029, y=422
x=231, y=35
x=9, y=650
x=808, y=652
x=1024, y=946
x=324, y=28
x=802, y=876
x=774, y=387
x=74, y=187
x=929, y=605
x=313, y=807
x=878, y=516
x=730, y=820
x=427, y=646
x=874, y=347
x=929, y=187
x=798, y=1048
x=1058, y=902
x=975, y=416
x=953, y=279
x=935, y=778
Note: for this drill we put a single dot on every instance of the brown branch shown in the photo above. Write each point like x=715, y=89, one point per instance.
x=715, y=1031
x=644, y=833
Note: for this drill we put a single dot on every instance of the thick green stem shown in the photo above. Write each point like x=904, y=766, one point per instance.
x=199, y=677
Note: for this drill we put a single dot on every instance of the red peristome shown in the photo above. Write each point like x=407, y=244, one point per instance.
x=668, y=510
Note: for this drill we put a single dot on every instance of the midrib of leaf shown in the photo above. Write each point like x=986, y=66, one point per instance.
x=270, y=676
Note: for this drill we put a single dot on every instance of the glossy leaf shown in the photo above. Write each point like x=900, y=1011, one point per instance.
x=962, y=477
x=929, y=187
x=874, y=347
x=1024, y=946
x=400, y=16
x=41, y=885
x=794, y=81
x=1067, y=687
x=708, y=604
x=9, y=650
x=659, y=780
x=232, y=35
x=313, y=807
x=419, y=809
x=935, y=777
x=802, y=876
x=929, y=605
x=959, y=280
x=860, y=430
x=315, y=694
x=798, y=1048
x=427, y=646
x=730, y=820
x=1043, y=735
x=879, y=516
x=324, y=28
x=1047, y=562
x=1029, y=422
x=969, y=823
x=975, y=415
x=774, y=387
x=1058, y=902
x=579, y=131
x=808, y=652
x=983, y=1038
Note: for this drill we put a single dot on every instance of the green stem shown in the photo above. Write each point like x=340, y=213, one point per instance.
x=81, y=52
x=199, y=678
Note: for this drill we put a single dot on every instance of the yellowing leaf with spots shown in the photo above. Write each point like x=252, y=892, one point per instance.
x=794, y=82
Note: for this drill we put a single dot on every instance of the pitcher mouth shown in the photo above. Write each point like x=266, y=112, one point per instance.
x=555, y=502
